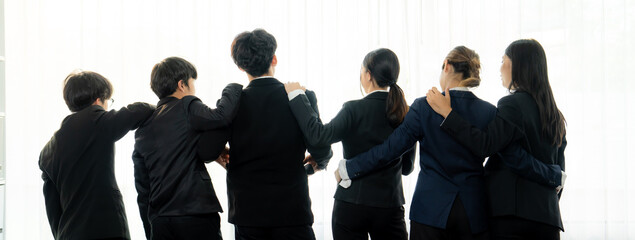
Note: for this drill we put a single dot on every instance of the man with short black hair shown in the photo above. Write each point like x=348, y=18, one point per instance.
x=175, y=193
x=80, y=190
x=267, y=184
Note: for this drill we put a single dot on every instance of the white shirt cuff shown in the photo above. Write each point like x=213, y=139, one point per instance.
x=564, y=177
x=295, y=93
x=346, y=181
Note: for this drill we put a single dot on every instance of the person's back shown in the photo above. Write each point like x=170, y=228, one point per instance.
x=167, y=143
x=176, y=197
x=447, y=168
x=267, y=184
x=370, y=127
x=504, y=185
x=82, y=197
x=267, y=149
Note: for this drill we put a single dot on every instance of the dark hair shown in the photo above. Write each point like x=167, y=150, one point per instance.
x=466, y=62
x=529, y=74
x=81, y=89
x=383, y=66
x=254, y=51
x=165, y=76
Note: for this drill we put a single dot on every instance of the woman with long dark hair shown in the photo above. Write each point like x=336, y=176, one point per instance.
x=374, y=205
x=520, y=209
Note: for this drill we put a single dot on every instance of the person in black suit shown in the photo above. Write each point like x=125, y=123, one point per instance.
x=267, y=183
x=520, y=208
x=374, y=205
x=175, y=193
x=80, y=190
x=449, y=201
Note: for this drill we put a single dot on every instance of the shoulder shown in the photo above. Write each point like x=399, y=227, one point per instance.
x=188, y=101
x=515, y=99
x=420, y=104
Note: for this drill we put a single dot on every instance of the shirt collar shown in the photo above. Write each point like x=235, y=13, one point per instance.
x=262, y=77
x=380, y=90
x=460, y=89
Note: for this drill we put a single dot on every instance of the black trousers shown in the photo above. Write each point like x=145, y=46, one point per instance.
x=302, y=232
x=206, y=226
x=353, y=221
x=511, y=227
x=457, y=227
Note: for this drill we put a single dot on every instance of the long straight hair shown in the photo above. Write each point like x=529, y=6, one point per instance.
x=529, y=74
x=383, y=66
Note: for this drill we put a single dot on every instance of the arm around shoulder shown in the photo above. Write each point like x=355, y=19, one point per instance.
x=500, y=132
x=127, y=118
x=203, y=118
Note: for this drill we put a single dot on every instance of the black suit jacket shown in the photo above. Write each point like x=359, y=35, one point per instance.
x=360, y=125
x=80, y=190
x=266, y=180
x=517, y=119
x=170, y=178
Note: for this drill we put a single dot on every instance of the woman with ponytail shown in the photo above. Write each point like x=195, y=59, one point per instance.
x=528, y=116
x=374, y=205
x=449, y=200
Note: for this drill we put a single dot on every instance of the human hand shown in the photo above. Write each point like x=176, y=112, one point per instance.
x=223, y=158
x=292, y=86
x=309, y=160
x=438, y=102
x=338, y=178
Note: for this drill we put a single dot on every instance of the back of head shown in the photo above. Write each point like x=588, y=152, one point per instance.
x=529, y=74
x=383, y=66
x=466, y=62
x=81, y=89
x=166, y=75
x=253, y=51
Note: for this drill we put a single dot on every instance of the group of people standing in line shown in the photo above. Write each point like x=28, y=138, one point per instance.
x=270, y=126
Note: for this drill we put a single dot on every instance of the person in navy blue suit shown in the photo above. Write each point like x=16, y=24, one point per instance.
x=449, y=200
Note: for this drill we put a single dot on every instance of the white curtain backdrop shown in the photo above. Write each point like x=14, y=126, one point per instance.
x=321, y=44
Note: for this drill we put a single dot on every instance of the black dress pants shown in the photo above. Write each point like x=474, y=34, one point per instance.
x=302, y=232
x=457, y=227
x=511, y=227
x=353, y=221
x=205, y=226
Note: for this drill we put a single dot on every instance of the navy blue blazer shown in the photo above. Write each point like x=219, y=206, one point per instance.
x=448, y=169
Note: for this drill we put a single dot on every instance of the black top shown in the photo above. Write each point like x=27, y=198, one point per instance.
x=266, y=180
x=518, y=119
x=80, y=190
x=360, y=125
x=170, y=178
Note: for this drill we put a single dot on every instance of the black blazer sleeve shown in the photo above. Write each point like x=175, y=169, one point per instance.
x=500, y=132
x=211, y=144
x=321, y=153
x=561, y=159
x=203, y=118
x=525, y=165
x=52, y=203
x=142, y=184
x=316, y=133
x=126, y=119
